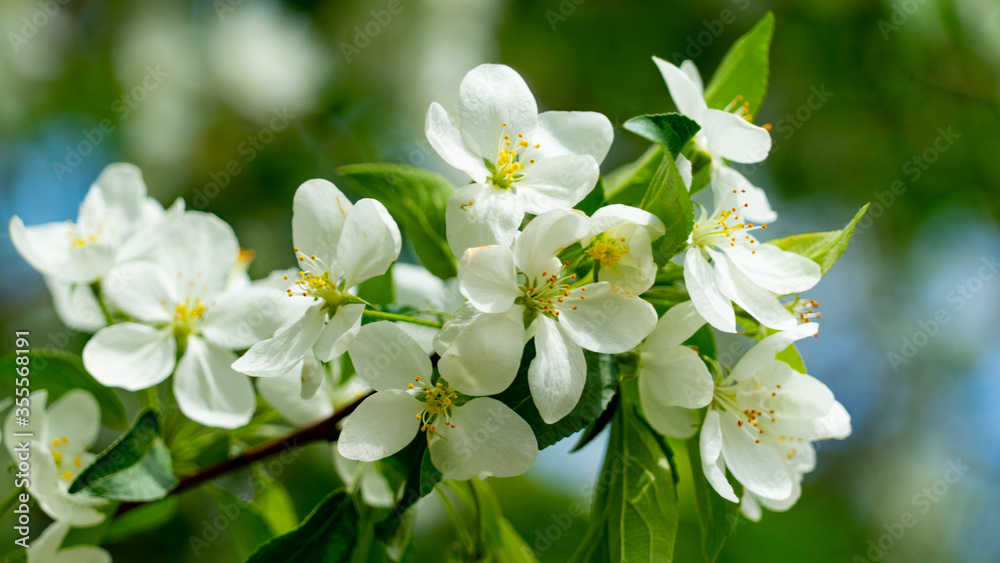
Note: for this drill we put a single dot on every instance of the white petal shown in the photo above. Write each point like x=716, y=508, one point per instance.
x=686, y=94
x=574, y=132
x=76, y=416
x=691, y=71
x=678, y=324
x=147, y=231
x=712, y=462
x=239, y=319
x=76, y=305
x=675, y=422
x=460, y=322
x=369, y=244
x=130, y=356
x=774, y=269
x=732, y=189
x=762, y=354
x=490, y=96
x=756, y=465
x=340, y=332
x=385, y=357
x=487, y=278
x=284, y=393
x=733, y=137
x=211, y=392
x=122, y=187
x=544, y=237
x=203, y=248
x=609, y=320
x=483, y=359
x=445, y=136
x=488, y=440
x=276, y=355
x=611, y=216
x=558, y=373
x=375, y=490
x=557, y=182
x=46, y=549
x=684, y=168
x=636, y=271
x=677, y=377
x=141, y=290
x=482, y=215
x=750, y=507
x=319, y=212
x=381, y=426
x=759, y=303
x=699, y=279
x=49, y=249
x=835, y=424
x=48, y=488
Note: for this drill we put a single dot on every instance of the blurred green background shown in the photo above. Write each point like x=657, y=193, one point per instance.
x=863, y=95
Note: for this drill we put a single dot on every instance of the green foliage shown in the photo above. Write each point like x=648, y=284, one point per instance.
x=416, y=198
x=378, y=290
x=602, y=382
x=247, y=526
x=594, y=200
x=276, y=505
x=419, y=474
x=143, y=518
x=672, y=130
x=498, y=541
x=627, y=184
x=824, y=248
x=717, y=517
x=135, y=468
x=634, y=514
x=58, y=372
x=744, y=69
x=327, y=535
x=667, y=198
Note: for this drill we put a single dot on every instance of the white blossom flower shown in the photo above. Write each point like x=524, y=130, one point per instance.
x=63, y=433
x=182, y=303
x=364, y=477
x=724, y=134
x=673, y=379
x=468, y=435
x=113, y=226
x=564, y=316
x=761, y=421
x=620, y=240
x=743, y=271
x=519, y=160
x=338, y=245
x=302, y=394
x=46, y=549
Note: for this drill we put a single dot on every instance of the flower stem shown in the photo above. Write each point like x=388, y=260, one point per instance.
x=150, y=398
x=371, y=313
x=96, y=288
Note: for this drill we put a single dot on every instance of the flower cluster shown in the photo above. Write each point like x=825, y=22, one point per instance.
x=610, y=279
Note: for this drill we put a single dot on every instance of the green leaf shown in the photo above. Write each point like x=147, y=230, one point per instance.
x=420, y=476
x=328, y=534
x=717, y=517
x=823, y=248
x=602, y=382
x=416, y=198
x=276, y=505
x=595, y=428
x=378, y=290
x=634, y=514
x=143, y=518
x=136, y=468
x=58, y=372
x=500, y=541
x=667, y=198
x=744, y=69
x=246, y=526
x=627, y=184
x=672, y=130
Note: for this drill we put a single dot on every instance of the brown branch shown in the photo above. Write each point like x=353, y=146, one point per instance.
x=324, y=430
